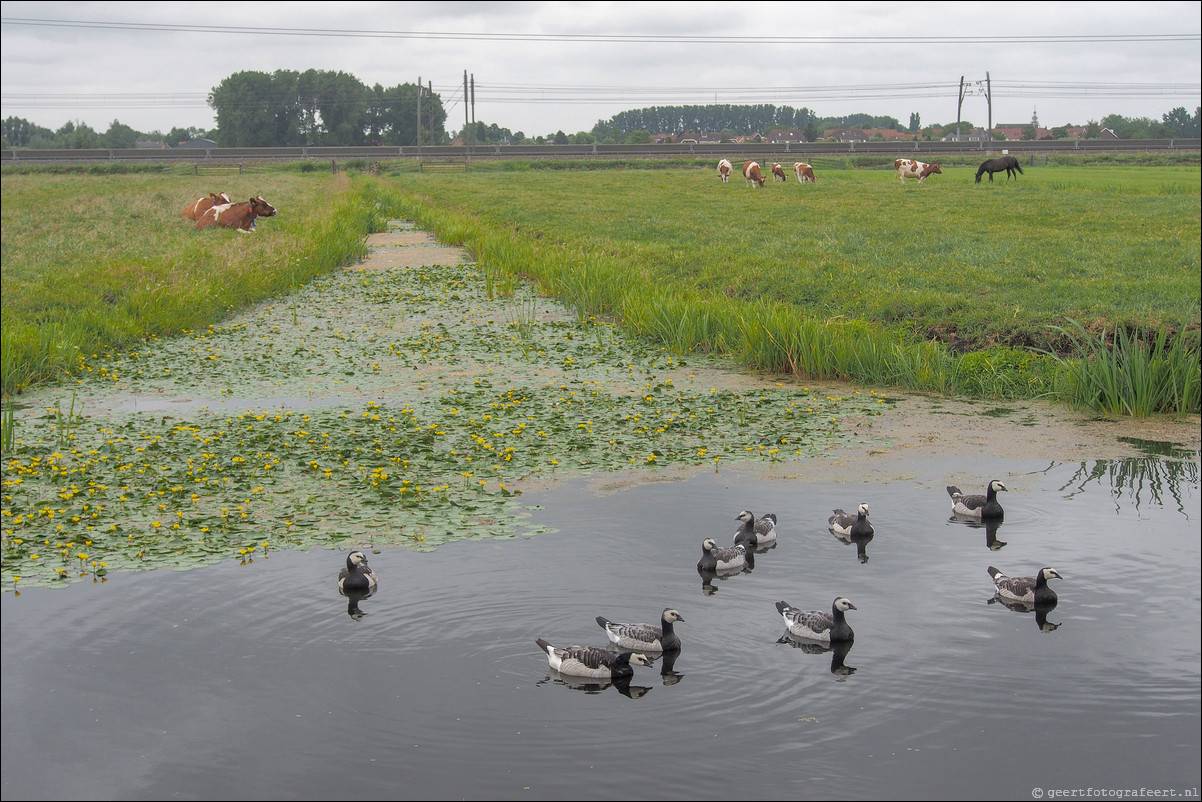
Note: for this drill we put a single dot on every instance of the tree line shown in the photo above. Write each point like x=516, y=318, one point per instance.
x=322, y=107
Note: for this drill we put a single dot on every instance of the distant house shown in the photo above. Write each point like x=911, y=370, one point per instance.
x=1015, y=132
x=975, y=135
x=847, y=134
x=1108, y=134
x=198, y=143
x=887, y=134
x=150, y=144
x=781, y=136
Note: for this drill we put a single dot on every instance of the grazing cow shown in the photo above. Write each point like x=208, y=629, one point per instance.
x=778, y=173
x=236, y=215
x=751, y=171
x=804, y=173
x=195, y=209
x=724, y=168
x=908, y=168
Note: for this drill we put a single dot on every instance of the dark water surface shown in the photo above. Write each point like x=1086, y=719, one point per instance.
x=252, y=681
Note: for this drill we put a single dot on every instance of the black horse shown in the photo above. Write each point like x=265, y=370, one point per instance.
x=1007, y=163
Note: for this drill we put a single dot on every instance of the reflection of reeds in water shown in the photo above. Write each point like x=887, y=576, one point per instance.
x=1139, y=479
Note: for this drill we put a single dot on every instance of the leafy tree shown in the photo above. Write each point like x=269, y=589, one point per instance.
x=19, y=132
x=679, y=120
x=639, y=137
x=1179, y=123
x=1029, y=133
x=119, y=136
x=561, y=138
x=255, y=109
x=177, y=136
x=1131, y=127
x=915, y=122
x=479, y=133
x=811, y=131
x=1092, y=130
x=285, y=108
x=334, y=107
x=76, y=136
x=392, y=116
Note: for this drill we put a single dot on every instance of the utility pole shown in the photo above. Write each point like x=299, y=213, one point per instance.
x=467, y=148
x=473, y=108
x=419, y=121
x=958, y=105
x=989, y=103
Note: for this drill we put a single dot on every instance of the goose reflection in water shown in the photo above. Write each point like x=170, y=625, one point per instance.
x=990, y=525
x=667, y=668
x=837, y=649
x=861, y=543
x=353, y=597
x=708, y=576
x=759, y=549
x=1041, y=611
x=594, y=686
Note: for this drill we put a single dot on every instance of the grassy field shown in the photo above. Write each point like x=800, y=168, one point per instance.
x=947, y=286
x=970, y=265
x=93, y=262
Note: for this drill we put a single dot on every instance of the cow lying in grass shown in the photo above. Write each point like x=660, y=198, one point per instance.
x=201, y=205
x=240, y=216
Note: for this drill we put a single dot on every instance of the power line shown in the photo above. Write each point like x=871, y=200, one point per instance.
x=559, y=94
x=603, y=38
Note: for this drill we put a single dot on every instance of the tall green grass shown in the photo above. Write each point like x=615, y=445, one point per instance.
x=1133, y=373
x=100, y=262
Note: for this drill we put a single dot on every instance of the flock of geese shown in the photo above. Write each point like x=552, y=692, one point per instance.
x=633, y=641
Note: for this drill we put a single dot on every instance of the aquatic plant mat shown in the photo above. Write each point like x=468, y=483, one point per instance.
x=386, y=404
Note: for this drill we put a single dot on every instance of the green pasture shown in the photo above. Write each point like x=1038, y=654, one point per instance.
x=949, y=286
x=97, y=262
x=971, y=265
x=1006, y=289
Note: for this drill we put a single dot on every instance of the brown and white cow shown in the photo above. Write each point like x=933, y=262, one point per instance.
x=751, y=172
x=778, y=173
x=240, y=216
x=804, y=173
x=198, y=207
x=724, y=168
x=908, y=168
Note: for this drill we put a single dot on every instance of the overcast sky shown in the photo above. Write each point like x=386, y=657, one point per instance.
x=542, y=67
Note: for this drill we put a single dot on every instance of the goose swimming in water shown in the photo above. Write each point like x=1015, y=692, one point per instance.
x=846, y=523
x=816, y=624
x=648, y=637
x=357, y=575
x=753, y=532
x=715, y=558
x=591, y=661
x=978, y=506
x=1031, y=590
